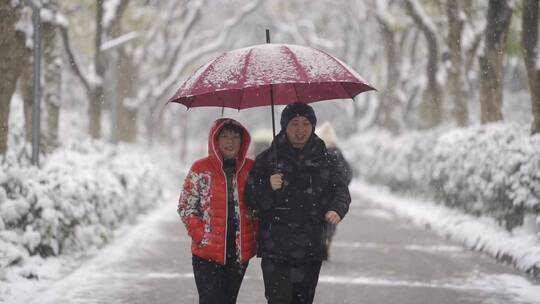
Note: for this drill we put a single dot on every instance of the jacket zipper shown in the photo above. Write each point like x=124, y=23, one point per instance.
x=239, y=222
x=227, y=218
x=226, y=215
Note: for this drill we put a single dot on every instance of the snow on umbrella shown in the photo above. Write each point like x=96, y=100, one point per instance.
x=270, y=74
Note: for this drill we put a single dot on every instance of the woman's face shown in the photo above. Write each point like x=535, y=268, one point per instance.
x=229, y=143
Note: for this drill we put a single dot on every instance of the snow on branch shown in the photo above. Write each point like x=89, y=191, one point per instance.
x=178, y=67
x=382, y=15
x=71, y=56
x=314, y=39
x=292, y=26
x=192, y=18
x=118, y=41
x=113, y=10
x=420, y=17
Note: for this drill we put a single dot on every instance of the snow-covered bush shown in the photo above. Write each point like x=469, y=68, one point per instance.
x=83, y=191
x=492, y=170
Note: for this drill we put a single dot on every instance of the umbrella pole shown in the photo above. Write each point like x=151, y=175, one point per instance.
x=273, y=122
x=272, y=108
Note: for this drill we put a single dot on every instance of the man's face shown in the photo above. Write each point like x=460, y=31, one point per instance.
x=229, y=143
x=299, y=130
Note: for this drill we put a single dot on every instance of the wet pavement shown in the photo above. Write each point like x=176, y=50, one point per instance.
x=376, y=258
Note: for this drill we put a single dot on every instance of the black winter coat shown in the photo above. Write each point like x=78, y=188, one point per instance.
x=343, y=165
x=292, y=223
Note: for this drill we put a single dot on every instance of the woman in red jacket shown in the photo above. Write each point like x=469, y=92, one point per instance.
x=212, y=208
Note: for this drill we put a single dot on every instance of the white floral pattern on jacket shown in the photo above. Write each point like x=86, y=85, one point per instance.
x=195, y=201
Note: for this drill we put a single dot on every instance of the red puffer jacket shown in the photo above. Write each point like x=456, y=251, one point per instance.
x=203, y=202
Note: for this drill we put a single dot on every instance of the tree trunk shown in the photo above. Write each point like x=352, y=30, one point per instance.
x=529, y=38
x=491, y=62
x=95, y=98
x=26, y=86
x=389, y=100
x=52, y=82
x=125, y=90
x=456, y=84
x=93, y=84
x=127, y=114
x=430, y=110
x=11, y=56
x=97, y=94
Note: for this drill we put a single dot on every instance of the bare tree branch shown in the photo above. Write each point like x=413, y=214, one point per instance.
x=72, y=61
x=192, y=18
x=178, y=67
x=112, y=28
x=432, y=106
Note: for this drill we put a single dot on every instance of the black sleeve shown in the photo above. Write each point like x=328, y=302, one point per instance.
x=343, y=166
x=258, y=193
x=341, y=198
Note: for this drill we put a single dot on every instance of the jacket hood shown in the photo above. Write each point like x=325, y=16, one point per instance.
x=213, y=148
x=327, y=133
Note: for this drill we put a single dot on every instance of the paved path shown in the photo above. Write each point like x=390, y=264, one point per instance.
x=376, y=258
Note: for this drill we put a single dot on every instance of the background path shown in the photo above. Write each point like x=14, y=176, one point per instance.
x=376, y=258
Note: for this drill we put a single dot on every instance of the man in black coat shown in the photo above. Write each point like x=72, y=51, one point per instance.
x=294, y=198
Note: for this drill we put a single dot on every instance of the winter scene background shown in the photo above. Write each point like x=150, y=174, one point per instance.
x=449, y=143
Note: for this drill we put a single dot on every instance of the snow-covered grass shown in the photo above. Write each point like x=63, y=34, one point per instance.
x=483, y=234
x=491, y=170
x=72, y=205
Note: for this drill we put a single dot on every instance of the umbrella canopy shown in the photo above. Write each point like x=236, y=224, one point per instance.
x=270, y=74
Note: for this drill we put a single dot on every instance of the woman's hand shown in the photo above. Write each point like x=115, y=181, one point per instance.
x=276, y=181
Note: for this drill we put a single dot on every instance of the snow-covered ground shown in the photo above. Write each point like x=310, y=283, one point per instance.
x=79, y=282
x=519, y=247
x=84, y=196
x=82, y=273
x=482, y=184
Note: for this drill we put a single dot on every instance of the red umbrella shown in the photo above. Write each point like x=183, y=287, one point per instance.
x=270, y=74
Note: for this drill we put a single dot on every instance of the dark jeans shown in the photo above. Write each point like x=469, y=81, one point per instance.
x=286, y=283
x=216, y=283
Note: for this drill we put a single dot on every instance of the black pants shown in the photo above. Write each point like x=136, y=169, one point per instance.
x=329, y=235
x=216, y=283
x=286, y=283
